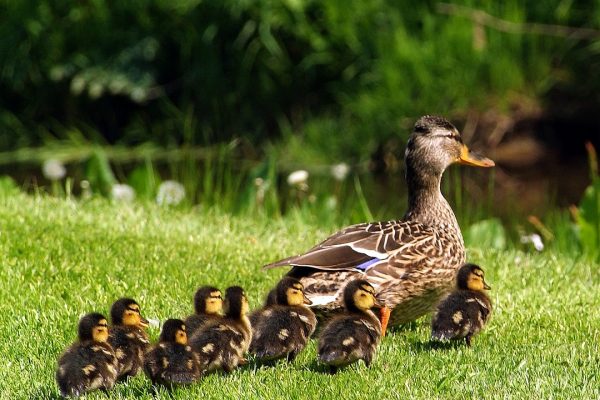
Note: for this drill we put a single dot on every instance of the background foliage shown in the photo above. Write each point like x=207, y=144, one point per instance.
x=346, y=77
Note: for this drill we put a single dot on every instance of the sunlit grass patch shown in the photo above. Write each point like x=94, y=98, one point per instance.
x=61, y=259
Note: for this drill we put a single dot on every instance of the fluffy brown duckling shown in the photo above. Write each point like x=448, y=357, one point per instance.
x=283, y=329
x=90, y=363
x=172, y=361
x=208, y=305
x=466, y=310
x=270, y=300
x=354, y=334
x=128, y=336
x=223, y=343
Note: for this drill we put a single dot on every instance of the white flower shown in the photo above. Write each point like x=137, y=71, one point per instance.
x=122, y=192
x=170, y=193
x=53, y=170
x=297, y=178
x=340, y=171
x=535, y=240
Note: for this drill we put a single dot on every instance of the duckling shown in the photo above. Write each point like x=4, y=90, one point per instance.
x=223, y=343
x=355, y=334
x=466, y=310
x=208, y=304
x=270, y=300
x=90, y=363
x=128, y=336
x=172, y=361
x=283, y=329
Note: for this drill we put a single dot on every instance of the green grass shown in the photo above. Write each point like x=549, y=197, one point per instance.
x=60, y=259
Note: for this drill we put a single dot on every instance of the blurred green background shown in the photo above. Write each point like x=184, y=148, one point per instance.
x=229, y=97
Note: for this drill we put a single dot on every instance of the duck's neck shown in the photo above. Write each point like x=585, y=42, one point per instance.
x=426, y=204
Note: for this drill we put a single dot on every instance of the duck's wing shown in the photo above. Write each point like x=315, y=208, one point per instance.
x=367, y=247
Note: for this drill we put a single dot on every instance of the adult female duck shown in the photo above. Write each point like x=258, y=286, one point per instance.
x=410, y=262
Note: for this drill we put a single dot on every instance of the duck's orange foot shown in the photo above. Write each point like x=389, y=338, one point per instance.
x=385, y=313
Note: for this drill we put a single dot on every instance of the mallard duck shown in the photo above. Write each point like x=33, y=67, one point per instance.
x=354, y=334
x=172, y=361
x=208, y=304
x=128, y=336
x=283, y=329
x=466, y=310
x=90, y=363
x=224, y=342
x=410, y=262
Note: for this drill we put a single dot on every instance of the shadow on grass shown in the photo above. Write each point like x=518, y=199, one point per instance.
x=435, y=345
x=408, y=327
x=320, y=368
x=44, y=394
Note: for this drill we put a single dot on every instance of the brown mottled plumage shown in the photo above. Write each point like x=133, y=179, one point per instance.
x=410, y=262
x=282, y=330
x=270, y=300
x=171, y=361
x=354, y=334
x=465, y=311
x=90, y=363
x=224, y=342
x=208, y=305
x=128, y=336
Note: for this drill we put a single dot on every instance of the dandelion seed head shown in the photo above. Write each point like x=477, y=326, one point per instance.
x=340, y=171
x=122, y=192
x=297, y=178
x=53, y=170
x=170, y=193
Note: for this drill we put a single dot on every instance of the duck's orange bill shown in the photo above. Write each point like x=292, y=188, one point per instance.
x=385, y=318
x=468, y=157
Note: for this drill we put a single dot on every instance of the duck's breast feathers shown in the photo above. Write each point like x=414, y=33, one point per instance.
x=364, y=246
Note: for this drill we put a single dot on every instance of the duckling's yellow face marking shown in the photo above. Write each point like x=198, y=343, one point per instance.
x=476, y=280
x=214, y=303
x=100, y=331
x=295, y=295
x=181, y=336
x=132, y=316
x=364, y=297
x=245, y=305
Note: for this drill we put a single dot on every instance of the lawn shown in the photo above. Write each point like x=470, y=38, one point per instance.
x=61, y=259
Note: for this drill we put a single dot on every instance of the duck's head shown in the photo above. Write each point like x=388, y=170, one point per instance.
x=94, y=327
x=236, y=303
x=291, y=292
x=471, y=277
x=208, y=300
x=359, y=295
x=435, y=144
x=173, y=331
x=126, y=311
